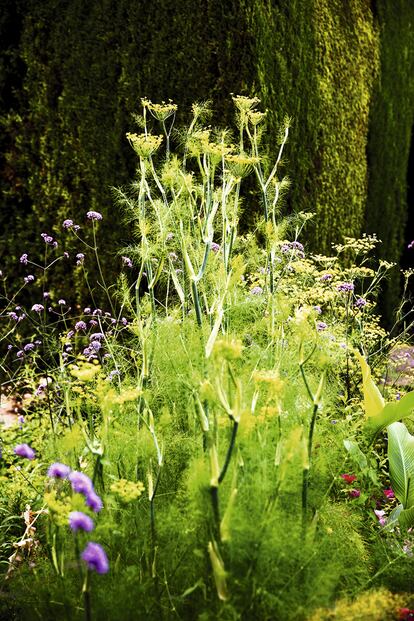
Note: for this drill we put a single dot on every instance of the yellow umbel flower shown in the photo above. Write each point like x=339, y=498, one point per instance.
x=144, y=145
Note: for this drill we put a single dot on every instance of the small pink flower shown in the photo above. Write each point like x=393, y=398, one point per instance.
x=389, y=493
x=381, y=516
x=354, y=493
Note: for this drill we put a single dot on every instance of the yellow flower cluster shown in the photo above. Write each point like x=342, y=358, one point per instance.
x=144, y=145
x=127, y=491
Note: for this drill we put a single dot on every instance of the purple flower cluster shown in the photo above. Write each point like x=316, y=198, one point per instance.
x=24, y=450
x=80, y=521
x=326, y=277
x=294, y=247
x=80, y=257
x=94, y=215
x=29, y=278
x=95, y=558
x=93, y=554
x=48, y=239
x=24, y=259
x=360, y=303
x=127, y=262
x=38, y=308
x=345, y=287
x=321, y=326
x=256, y=290
x=215, y=247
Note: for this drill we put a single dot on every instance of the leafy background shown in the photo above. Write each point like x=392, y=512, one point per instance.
x=73, y=72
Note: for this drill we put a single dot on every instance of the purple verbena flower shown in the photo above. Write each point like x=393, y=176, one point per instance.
x=70, y=334
x=48, y=239
x=114, y=373
x=29, y=347
x=124, y=321
x=58, y=470
x=360, y=303
x=94, y=502
x=326, y=277
x=410, y=245
x=20, y=354
x=29, y=278
x=38, y=308
x=66, y=255
x=24, y=450
x=96, y=336
x=318, y=309
x=80, y=325
x=87, y=310
x=97, y=311
x=67, y=224
x=94, y=215
x=93, y=323
x=80, y=521
x=256, y=290
x=80, y=482
x=126, y=261
x=24, y=259
x=62, y=302
x=46, y=295
x=80, y=257
x=95, y=557
x=321, y=325
x=345, y=286
x=215, y=247
x=13, y=316
x=96, y=345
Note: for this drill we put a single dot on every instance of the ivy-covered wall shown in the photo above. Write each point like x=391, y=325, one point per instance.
x=73, y=72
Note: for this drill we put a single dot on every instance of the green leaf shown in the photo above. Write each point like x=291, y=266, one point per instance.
x=356, y=454
x=391, y=413
x=401, y=463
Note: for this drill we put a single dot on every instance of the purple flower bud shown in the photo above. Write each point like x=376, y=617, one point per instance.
x=80, y=521
x=58, y=470
x=70, y=334
x=320, y=326
x=67, y=224
x=20, y=354
x=80, y=258
x=95, y=557
x=94, y=502
x=62, y=302
x=80, y=325
x=23, y=259
x=46, y=295
x=80, y=482
x=29, y=278
x=24, y=450
x=13, y=316
x=87, y=310
x=96, y=345
x=93, y=323
x=114, y=373
x=29, y=347
x=94, y=215
x=326, y=277
x=97, y=311
x=215, y=247
x=66, y=255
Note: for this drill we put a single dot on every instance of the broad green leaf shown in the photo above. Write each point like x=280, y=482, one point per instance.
x=355, y=453
x=406, y=518
x=373, y=400
x=401, y=463
x=391, y=413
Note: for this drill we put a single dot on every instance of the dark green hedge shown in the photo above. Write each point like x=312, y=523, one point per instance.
x=73, y=72
x=392, y=119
